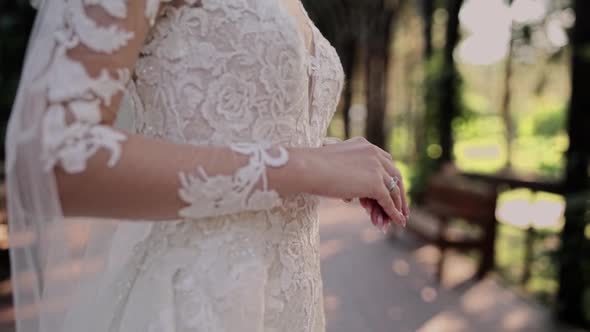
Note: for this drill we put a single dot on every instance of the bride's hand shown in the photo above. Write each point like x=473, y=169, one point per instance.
x=356, y=169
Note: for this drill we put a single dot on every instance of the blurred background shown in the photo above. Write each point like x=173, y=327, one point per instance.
x=485, y=105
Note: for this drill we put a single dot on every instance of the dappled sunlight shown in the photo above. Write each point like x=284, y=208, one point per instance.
x=476, y=303
x=370, y=281
x=527, y=210
x=445, y=322
x=487, y=24
x=427, y=254
x=457, y=269
x=528, y=11
x=488, y=307
x=401, y=267
x=330, y=248
x=331, y=303
x=371, y=235
x=428, y=294
x=516, y=320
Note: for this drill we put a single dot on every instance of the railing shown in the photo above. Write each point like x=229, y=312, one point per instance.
x=535, y=184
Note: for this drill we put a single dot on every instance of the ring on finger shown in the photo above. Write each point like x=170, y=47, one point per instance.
x=393, y=181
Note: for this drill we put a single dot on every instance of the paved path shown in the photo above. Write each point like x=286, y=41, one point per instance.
x=374, y=283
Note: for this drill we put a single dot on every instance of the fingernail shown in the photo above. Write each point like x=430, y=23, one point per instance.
x=379, y=221
x=385, y=228
x=403, y=219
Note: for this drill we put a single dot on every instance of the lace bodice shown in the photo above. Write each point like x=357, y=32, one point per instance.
x=222, y=73
x=235, y=71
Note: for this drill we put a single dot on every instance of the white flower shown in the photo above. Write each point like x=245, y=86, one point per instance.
x=230, y=103
x=283, y=74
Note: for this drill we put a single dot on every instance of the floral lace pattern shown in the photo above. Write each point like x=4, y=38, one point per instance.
x=72, y=128
x=223, y=194
x=227, y=72
x=211, y=72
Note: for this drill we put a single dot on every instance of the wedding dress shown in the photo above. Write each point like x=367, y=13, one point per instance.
x=237, y=73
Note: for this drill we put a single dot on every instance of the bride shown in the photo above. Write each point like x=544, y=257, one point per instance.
x=198, y=210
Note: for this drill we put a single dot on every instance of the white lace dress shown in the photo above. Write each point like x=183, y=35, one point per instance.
x=224, y=72
x=236, y=73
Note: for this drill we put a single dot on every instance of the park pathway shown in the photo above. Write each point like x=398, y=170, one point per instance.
x=378, y=283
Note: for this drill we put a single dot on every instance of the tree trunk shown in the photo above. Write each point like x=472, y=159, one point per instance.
x=348, y=58
x=506, y=101
x=448, y=102
x=427, y=12
x=574, y=276
x=377, y=69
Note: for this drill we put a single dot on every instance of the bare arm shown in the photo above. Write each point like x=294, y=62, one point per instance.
x=145, y=182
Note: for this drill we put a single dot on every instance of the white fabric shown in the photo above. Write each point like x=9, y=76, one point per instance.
x=234, y=73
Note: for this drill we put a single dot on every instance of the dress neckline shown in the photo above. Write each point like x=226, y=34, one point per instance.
x=311, y=51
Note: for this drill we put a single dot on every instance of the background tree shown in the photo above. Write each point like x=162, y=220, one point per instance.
x=378, y=42
x=574, y=280
x=16, y=19
x=441, y=95
x=449, y=105
x=361, y=29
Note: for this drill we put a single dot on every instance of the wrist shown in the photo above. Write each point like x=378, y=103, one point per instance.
x=304, y=172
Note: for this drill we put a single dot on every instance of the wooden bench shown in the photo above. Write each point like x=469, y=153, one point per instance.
x=450, y=198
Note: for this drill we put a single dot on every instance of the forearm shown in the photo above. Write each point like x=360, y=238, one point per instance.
x=145, y=183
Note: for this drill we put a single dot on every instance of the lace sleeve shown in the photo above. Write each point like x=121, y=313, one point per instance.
x=94, y=48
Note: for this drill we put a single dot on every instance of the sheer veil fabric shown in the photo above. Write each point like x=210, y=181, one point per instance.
x=53, y=258
x=68, y=272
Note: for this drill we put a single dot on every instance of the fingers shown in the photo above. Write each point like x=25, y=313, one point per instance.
x=376, y=217
x=397, y=199
x=365, y=202
x=387, y=204
x=402, y=188
x=393, y=171
x=376, y=213
x=368, y=205
x=394, y=193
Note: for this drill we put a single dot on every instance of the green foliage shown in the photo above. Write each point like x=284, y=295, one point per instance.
x=547, y=121
x=426, y=164
x=437, y=76
x=538, y=148
x=475, y=103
